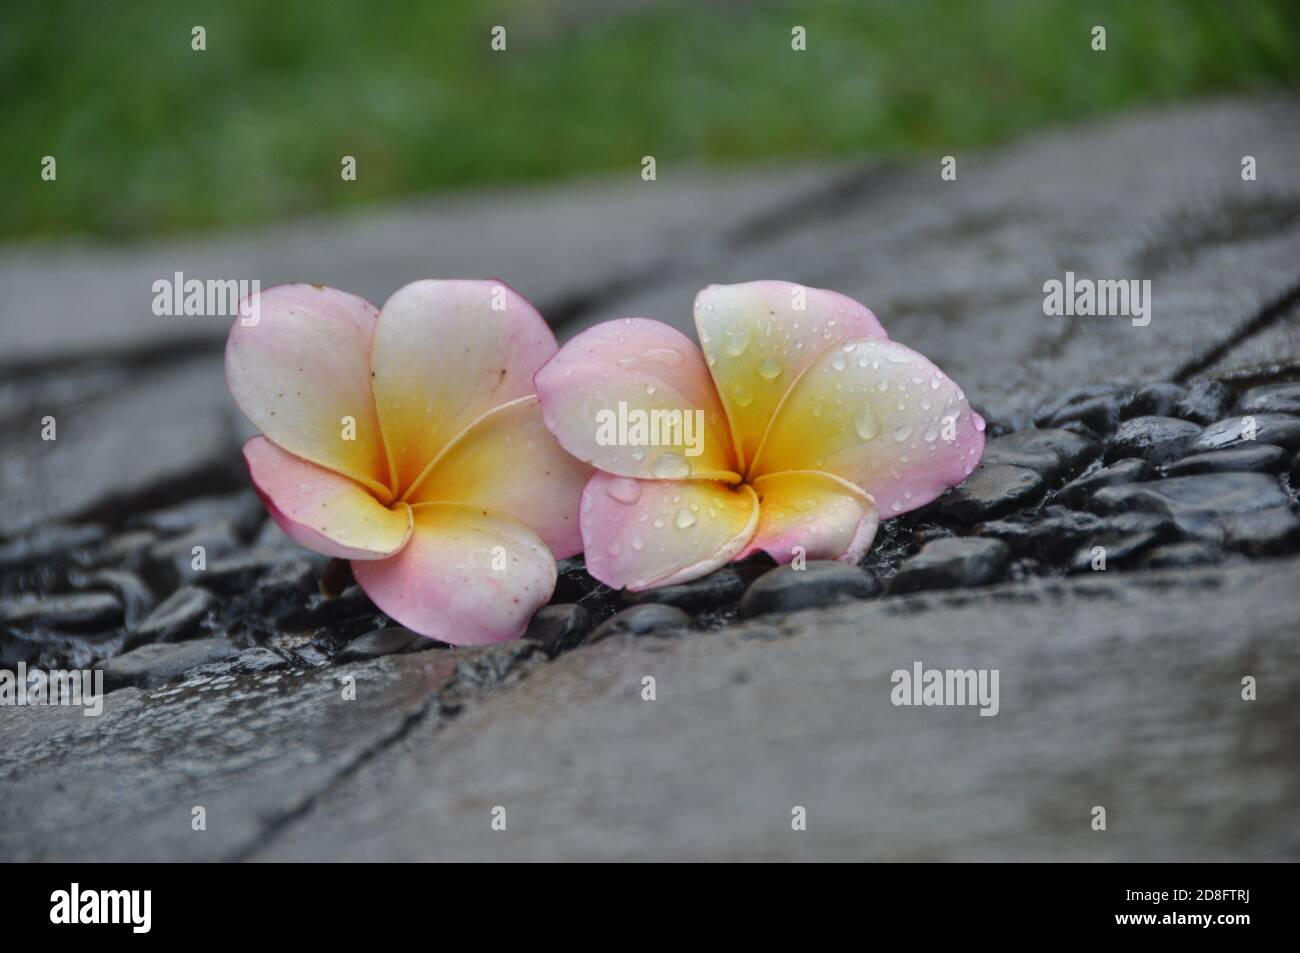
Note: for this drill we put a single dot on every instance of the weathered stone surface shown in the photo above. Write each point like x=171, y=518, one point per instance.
x=961, y=279
x=252, y=749
x=1156, y=440
x=151, y=432
x=819, y=583
x=952, y=564
x=796, y=711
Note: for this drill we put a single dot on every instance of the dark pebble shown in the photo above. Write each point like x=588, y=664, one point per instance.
x=1283, y=430
x=151, y=665
x=47, y=542
x=989, y=492
x=641, y=620
x=79, y=611
x=252, y=661
x=1071, y=398
x=1271, y=399
x=243, y=510
x=1195, y=502
x=1295, y=472
x=1204, y=402
x=713, y=591
x=1099, y=414
x=1181, y=555
x=1152, y=400
x=379, y=642
x=1243, y=458
x=1054, y=533
x=235, y=573
x=170, y=563
x=1156, y=440
x=1123, y=537
x=1264, y=533
x=952, y=564
x=177, y=617
x=336, y=577
x=1129, y=470
x=820, y=583
x=136, y=598
x=1049, y=453
x=557, y=628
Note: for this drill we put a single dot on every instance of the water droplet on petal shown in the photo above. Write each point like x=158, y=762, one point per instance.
x=671, y=466
x=865, y=423
x=742, y=394
x=769, y=368
x=736, y=343
x=903, y=432
x=624, y=490
x=685, y=519
x=669, y=357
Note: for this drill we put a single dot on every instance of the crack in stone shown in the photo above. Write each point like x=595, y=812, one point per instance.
x=1272, y=313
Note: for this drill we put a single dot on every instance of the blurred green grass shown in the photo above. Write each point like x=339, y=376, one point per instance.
x=153, y=137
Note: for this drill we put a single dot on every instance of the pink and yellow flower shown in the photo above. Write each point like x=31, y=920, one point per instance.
x=815, y=426
x=409, y=440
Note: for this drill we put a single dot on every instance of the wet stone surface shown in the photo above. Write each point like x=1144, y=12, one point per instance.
x=227, y=681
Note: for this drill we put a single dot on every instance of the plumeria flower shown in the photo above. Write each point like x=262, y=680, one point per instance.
x=410, y=441
x=815, y=426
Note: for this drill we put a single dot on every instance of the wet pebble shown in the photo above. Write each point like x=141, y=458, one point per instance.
x=171, y=562
x=136, y=598
x=1264, y=533
x=175, y=618
x=1204, y=402
x=379, y=642
x=1196, y=503
x=151, y=665
x=820, y=583
x=1243, y=458
x=989, y=492
x=80, y=611
x=1271, y=399
x=1099, y=414
x=1054, y=533
x=1282, y=430
x=1157, y=440
x=1152, y=400
x=713, y=591
x=952, y=564
x=47, y=542
x=243, y=510
x=1181, y=555
x=1071, y=398
x=1129, y=470
x=1049, y=453
x=557, y=628
x=641, y=620
x=1122, y=538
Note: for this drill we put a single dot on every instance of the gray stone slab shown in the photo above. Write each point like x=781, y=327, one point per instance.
x=554, y=244
x=1116, y=690
x=121, y=786
x=956, y=269
x=121, y=434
